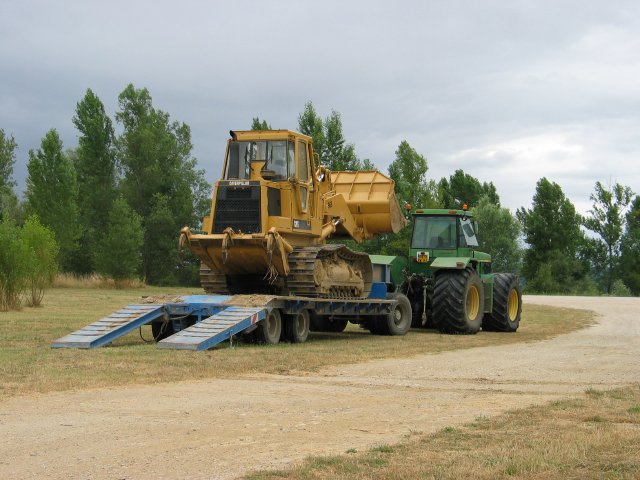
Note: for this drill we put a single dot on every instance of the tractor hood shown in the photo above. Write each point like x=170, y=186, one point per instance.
x=451, y=262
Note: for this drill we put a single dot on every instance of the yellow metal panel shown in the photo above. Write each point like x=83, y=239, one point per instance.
x=371, y=199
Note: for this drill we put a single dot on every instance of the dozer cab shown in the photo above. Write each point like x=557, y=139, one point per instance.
x=274, y=209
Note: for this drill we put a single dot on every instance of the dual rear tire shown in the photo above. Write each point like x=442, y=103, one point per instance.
x=507, y=304
x=458, y=303
x=294, y=328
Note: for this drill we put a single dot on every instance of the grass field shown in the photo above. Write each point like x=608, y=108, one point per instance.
x=597, y=436
x=28, y=364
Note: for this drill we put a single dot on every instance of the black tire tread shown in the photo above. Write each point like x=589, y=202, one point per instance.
x=449, y=302
x=289, y=326
x=262, y=332
x=498, y=319
x=385, y=324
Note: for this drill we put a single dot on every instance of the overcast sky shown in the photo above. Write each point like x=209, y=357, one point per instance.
x=510, y=91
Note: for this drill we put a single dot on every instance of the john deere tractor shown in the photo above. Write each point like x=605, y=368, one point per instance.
x=449, y=282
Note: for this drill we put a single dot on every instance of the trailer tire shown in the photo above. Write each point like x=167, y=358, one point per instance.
x=398, y=321
x=324, y=323
x=507, y=304
x=270, y=329
x=296, y=327
x=458, y=301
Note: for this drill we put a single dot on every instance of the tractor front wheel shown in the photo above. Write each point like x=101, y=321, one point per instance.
x=507, y=304
x=458, y=301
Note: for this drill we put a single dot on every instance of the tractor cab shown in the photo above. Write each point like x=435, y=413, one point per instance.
x=441, y=238
x=449, y=282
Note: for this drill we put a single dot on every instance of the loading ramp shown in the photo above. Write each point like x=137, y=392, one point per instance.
x=215, y=321
x=215, y=329
x=111, y=327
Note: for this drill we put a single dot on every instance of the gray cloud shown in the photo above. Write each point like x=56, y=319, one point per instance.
x=510, y=91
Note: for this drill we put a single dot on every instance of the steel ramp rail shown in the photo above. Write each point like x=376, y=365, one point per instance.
x=215, y=329
x=109, y=328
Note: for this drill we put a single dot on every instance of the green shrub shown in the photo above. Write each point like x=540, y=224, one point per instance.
x=41, y=260
x=619, y=289
x=13, y=265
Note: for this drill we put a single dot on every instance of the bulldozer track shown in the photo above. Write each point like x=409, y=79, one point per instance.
x=302, y=268
x=302, y=275
x=212, y=281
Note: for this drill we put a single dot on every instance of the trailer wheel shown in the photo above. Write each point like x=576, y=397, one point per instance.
x=396, y=322
x=507, y=304
x=296, y=327
x=458, y=301
x=324, y=323
x=270, y=328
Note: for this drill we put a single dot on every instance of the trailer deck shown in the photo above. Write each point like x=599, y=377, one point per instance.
x=203, y=321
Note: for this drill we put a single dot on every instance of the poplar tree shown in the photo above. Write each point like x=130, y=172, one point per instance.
x=96, y=173
x=8, y=147
x=606, y=219
x=409, y=172
x=257, y=124
x=9, y=204
x=462, y=188
x=52, y=194
x=630, y=249
x=154, y=155
x=552, y=231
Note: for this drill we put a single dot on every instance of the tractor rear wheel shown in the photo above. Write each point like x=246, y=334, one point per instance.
x=270, y=329
x=507, y=304
x=296, y=327
x=458, y=301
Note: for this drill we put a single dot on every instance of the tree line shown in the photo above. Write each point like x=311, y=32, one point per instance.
x=114, y=204
x=552, y=246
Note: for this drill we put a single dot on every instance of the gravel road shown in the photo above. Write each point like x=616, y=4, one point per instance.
x=224, y=428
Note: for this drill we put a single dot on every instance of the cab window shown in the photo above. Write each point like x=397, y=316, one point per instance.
x=434, y=233
x=303, y=164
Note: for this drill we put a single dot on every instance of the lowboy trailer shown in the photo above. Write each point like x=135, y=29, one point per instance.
x=200, y=322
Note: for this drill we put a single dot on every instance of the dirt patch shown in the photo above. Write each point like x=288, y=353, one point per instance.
x=223, y=428
x=249, y=300
x=161, y=299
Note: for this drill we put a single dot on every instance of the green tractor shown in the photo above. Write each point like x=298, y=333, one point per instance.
x=449, y=282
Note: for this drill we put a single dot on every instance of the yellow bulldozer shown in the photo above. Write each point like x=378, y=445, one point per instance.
x=274, y=209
